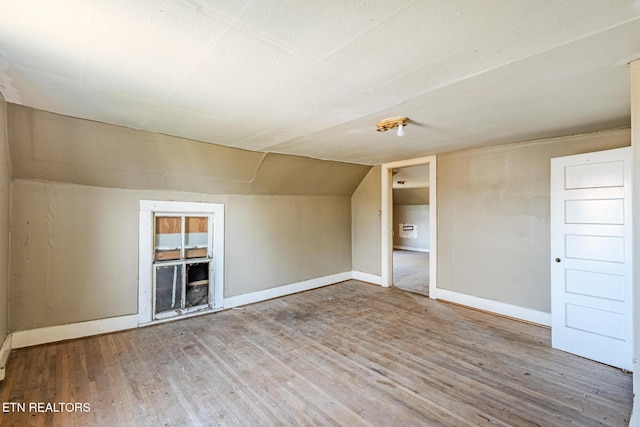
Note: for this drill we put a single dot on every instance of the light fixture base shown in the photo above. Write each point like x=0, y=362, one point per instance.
x=386, y=124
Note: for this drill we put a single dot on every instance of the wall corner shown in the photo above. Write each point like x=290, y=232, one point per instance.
x=635, y=144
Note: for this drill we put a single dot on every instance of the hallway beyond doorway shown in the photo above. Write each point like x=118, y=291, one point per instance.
x=411, y=271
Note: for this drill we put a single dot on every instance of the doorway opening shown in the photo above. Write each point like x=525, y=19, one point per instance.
x=410, y=217
x=416, y=234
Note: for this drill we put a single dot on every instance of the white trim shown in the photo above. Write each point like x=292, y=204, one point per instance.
x=49, y=334
x=281, y=291
x=170, y=205
x=181, y=317
x=387, y=226
x=5, y=350
x=515, y=311
x=366, y=277
x=410, y=248
x=145, y=260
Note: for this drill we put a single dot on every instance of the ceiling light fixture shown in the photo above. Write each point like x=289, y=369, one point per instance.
x=386, y=124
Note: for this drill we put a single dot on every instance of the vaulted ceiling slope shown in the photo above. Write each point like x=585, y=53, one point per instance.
x=52, y=147
x=311, y=78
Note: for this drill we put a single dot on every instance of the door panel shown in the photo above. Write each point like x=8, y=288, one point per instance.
x=596, y=248
x=595, y=321
x=591, y=256
x=609, y=174
x=595, y=211
x=595, y=284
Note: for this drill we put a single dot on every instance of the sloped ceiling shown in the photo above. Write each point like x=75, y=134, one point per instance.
x=312, y=78
x=51, y=147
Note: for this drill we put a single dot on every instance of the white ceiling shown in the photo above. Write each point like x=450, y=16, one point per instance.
x=313, y=77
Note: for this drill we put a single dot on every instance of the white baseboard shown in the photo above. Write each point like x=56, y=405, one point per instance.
x=517, y=312
x=366, y=277
x=20, y=339
x=5, y=350
x=49, y=334
x=409, y=248
x=281, y=291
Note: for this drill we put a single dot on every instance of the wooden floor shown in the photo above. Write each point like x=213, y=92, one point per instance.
x=411, y=271
x=348, y=354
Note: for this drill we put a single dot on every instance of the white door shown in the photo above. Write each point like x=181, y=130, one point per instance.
x=591, y=241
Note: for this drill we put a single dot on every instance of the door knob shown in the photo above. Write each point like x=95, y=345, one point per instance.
x=558, y=260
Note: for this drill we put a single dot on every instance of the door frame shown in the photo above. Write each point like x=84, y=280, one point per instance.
x=387, y=221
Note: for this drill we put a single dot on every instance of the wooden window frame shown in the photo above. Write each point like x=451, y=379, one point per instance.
x=146, y=298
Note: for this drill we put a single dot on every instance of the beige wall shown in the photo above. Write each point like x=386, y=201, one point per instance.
x=411, y=196
x=366, y=227
x=76, y=192
x=411, y=214
x=411, y=206
x=277, y=240
x=493, y=217
x=5, y=185
x=75, y=252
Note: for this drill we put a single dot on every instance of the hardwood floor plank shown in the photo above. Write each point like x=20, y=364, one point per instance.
x=347, y=354
x=311, y=357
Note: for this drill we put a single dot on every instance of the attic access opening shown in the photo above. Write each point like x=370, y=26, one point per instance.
x=183, y=264
x=180, y=259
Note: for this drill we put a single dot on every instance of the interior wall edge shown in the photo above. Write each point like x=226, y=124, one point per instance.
x=365, y=224
x=5, y=215
x=634, y=69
